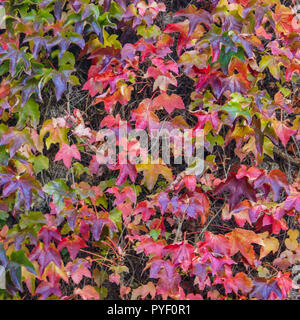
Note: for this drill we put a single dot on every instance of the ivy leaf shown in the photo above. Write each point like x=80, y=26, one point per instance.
x=121, y=196
x=240, y=241
x=162, y=82
x=170, y=103
x=47, y=234
x=235, y=283
x=291, y=242
x=45, y=256
x=152, y=172
x=19, y=257
x=292, y=68
x=292, y=201
x=259, y=136
x=225, y=57
x=59, y=190
x=146, y=209
x=34, y=218
x=30, y=110
x=283, y=132
x=14, y=55
x=98, y=225
x=143, y=291
x=40, y=163
x=182, y=254
x=209, y=77
x=60, y=80
x=236, y=83
x=263, y=289
x=272, y=63
x=15, y=275
x=269, y=244
x=182, y=28
x=15, y=139
x=4, y=89
x=3, y=257
x=276, y=179
x=76, y=5
x=126, y=170
x=78, y=269
x=195, y=17
x=149, y=246
x=47, y=288
x=144, y=115
x=193, y=205
x=66, y=153
x=87, y=293
x=24, y=184
x=238, y=189
x=73, y=243
x=57, y=133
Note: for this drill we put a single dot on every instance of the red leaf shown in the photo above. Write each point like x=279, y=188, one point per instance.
x=45, y=256
x=292, y=68
x=73, y=243
x=238, y=188
x=170, y=103
x=283, y=132
x=78, y=269
x=277, y=181
x=122, y=196
x=146, y=209
x=66, y=153
x=144, y=115
x=218, y=243
x=87, y=293
x=126, y=170
x=182, y=254
x=149, y=246
x=49, y=233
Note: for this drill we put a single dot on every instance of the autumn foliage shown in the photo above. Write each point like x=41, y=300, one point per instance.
x=74, y=228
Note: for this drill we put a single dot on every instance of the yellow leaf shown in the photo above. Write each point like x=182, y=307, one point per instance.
x=291, y=242
x=268, y=244
x=152, y=171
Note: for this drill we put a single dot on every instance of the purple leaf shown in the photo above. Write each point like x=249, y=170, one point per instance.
x=98, y=226
x=263, y=288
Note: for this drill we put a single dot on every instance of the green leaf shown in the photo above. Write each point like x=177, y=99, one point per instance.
x=236, y=107
x=155, y=233
x=148, y=32
x=29, y=111
x=20, y=258
x=99, y=276
x=116, y=216
x=34, y=218
x=40, y=163
x=68, y=58
x=225, y=57
x=103, y=293
x=3, y=215
x=59, y=190
x=4, y=155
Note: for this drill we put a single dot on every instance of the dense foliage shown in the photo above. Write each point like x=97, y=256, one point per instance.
x=73, y=228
